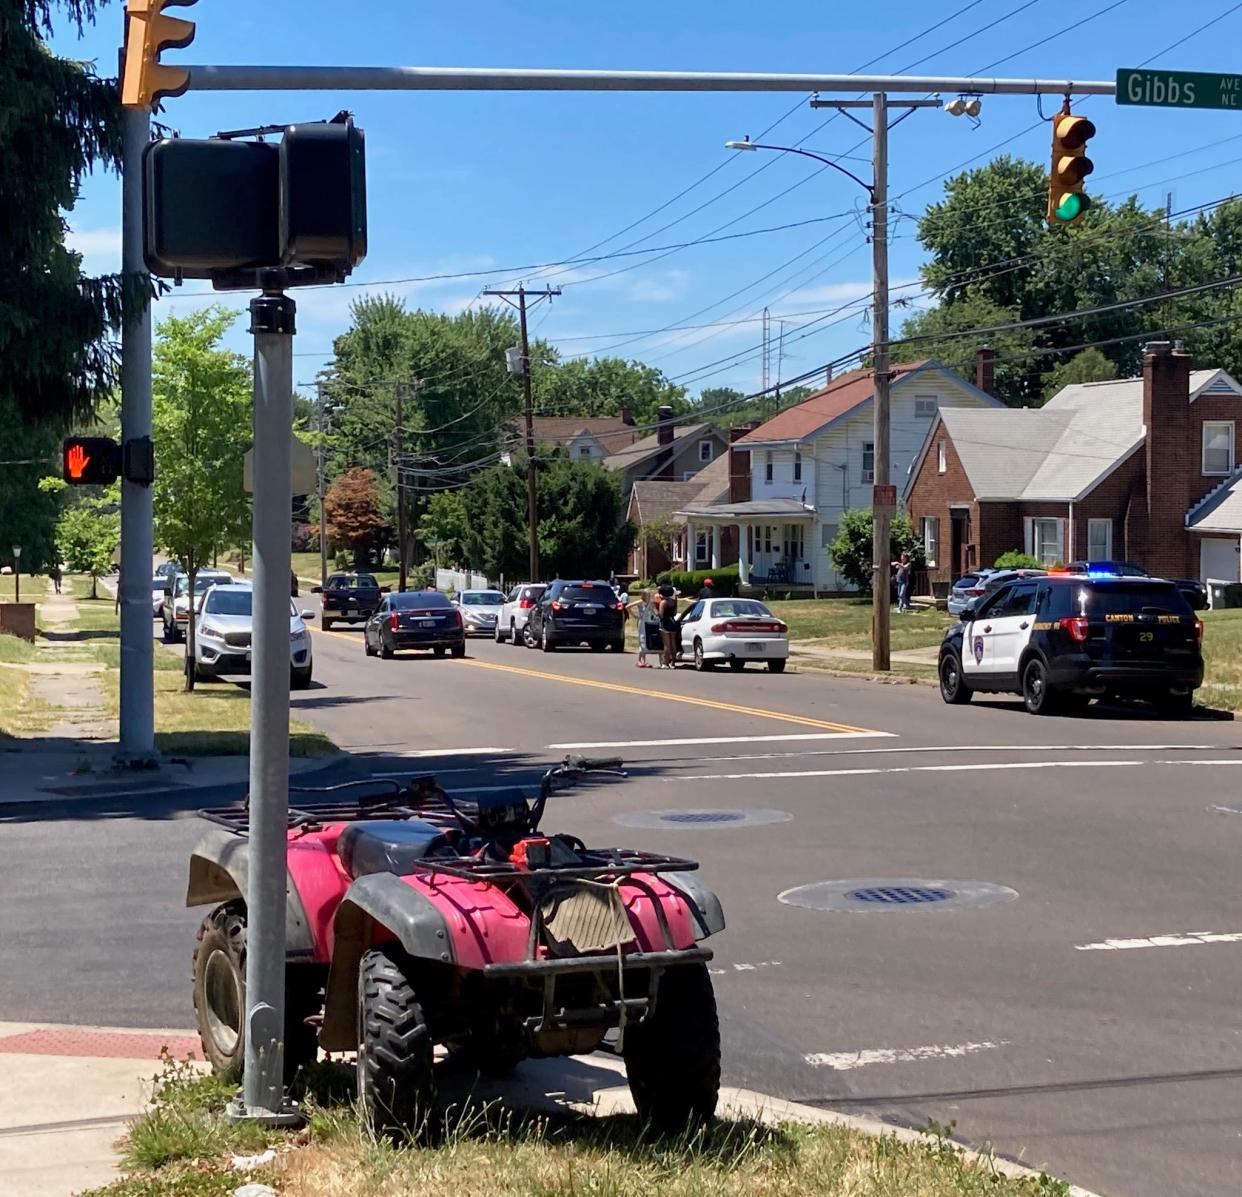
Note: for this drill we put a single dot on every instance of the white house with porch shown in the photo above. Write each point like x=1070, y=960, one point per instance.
x=812, y=462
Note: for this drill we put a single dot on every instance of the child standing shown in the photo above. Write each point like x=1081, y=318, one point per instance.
x=645, y=618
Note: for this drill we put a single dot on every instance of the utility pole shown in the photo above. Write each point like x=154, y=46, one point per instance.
x=320, y=486
x=883, y=501
x=398, y=453
x=532, y=485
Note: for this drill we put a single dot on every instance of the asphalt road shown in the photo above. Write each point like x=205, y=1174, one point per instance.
x=1088, y=1023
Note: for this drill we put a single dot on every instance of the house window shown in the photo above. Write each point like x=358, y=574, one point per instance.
x=1099, y=540
x=584, y=452
x=940, y=462
x=925, y=406
x=702, y=541
x=868, y=462
x=797, y=466
x=931, y=539
x=827, y=534
x=767, y=538
x=1046, y=541
x=1218, y=446
x=706, y=448
x=767, y=466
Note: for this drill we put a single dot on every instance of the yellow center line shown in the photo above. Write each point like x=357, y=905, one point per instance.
x=619, y=688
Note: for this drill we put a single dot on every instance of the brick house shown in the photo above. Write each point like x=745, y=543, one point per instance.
x=1141, y=469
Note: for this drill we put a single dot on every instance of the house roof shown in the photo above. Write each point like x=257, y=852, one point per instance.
x=653, y=499
x=611, y=431
x=840, y=397
x=637, y=453
x=1059, y=451
x=1219, y=511
x=749, y=509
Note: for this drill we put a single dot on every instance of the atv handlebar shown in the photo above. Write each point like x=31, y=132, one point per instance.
x=571, y=768
x=601, y=763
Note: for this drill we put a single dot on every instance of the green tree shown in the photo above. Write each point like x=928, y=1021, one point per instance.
x=88, y=533
x=852, y=550
x=445, y=526
x=602, y=386
x=58, y=358
x=1088, y=366
x=28, y=511
x=201, y=419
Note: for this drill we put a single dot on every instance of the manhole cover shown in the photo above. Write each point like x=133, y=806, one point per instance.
x=702, y=818
x=879, y=894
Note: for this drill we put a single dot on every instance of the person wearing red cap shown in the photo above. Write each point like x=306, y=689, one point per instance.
x=707, y=592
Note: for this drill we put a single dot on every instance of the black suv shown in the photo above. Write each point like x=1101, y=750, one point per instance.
x=349, y=598
x=1064, y=639
x=578, y=613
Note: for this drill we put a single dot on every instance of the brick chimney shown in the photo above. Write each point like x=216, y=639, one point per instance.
x=739, y=466
x=664, y=437
x=627, y=415
x=985, y=369
x=1171, y=460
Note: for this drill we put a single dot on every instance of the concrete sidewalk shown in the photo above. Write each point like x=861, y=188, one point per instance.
x=906, y=656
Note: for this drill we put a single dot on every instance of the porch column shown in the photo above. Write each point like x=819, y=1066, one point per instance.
x=715, y=546
x=691, y=546
x=743, y=554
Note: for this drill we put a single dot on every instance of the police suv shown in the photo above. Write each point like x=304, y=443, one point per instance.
x=1062, y=639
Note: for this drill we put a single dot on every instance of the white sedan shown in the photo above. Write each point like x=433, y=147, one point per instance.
x=736, y=630
x=480, y=610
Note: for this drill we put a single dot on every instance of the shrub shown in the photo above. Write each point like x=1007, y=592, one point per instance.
x=1015, y=560
x=304, y=537
x=851, y=551
x=341, y=560
x=422, y=577
x=725, y=580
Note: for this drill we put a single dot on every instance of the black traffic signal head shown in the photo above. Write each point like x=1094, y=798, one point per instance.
x=90, y=460
x=229, y=210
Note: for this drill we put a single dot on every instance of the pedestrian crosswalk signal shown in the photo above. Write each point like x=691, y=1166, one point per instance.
x=90, y=460
x=1070, y=166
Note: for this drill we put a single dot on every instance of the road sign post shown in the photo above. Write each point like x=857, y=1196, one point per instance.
x=1149, y=88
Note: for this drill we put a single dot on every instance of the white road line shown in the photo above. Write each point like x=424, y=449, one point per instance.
x=972, y=768
x=853, y=735
x=421, y=752
x=846, y=1061
x=1183, y=939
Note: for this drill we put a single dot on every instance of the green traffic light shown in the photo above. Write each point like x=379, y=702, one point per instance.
x=1072, y=206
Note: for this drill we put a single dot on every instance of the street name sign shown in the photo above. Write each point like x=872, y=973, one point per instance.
x=1178, y=89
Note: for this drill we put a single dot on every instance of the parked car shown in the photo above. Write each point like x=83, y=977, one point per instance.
x=995, y=580
x=480, y=610
x=733, y=630
x=176, y=606
x=415, y=619
x=967, y=587
x=224, y=628
x=515, y=614
x=578, y=612
x=348, y=598
x=1062, y=639
x=161, y=580
x=1196, y=592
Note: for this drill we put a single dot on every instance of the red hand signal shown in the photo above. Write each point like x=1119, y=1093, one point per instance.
x=76, y=461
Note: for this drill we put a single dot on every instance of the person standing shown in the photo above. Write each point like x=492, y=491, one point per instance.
x=903, y=567
x=54, y=573
x=668, y=626
x=707, y=590
x=647, y=622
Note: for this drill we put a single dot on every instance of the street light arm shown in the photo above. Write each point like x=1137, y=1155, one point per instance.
x=789, y=149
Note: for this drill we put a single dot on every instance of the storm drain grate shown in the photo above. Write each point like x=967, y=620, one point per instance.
x=879, y=895
x=741, y=817
x=900, y=895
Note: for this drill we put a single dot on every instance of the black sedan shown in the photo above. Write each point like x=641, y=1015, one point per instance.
x=415, y=619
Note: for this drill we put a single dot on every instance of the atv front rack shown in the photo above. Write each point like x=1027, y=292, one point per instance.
x=361, y=807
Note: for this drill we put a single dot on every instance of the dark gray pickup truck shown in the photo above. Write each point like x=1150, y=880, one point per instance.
x=348, y=598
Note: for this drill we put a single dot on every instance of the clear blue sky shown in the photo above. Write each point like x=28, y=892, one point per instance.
x=463, y=181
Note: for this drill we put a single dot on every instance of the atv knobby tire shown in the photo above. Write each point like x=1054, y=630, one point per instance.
x=219, y=976
x=396, y=1088
x=672, y=1059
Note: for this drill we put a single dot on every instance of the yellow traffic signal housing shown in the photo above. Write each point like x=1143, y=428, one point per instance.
x=1070, y=165
x=148, y=30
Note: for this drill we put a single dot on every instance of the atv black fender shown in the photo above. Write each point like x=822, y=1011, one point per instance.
x=704, y=905
x=377, y=900
x=219, y=869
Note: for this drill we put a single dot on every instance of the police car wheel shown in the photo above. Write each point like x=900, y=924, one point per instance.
x=952, y=687
x=1039, y=697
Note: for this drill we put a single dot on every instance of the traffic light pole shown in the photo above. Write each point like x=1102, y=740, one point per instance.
x=262, y=1099
x=881, y=609
x=137, y=686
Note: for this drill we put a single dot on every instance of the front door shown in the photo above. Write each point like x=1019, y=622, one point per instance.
x=960, y=539
x=978, y=638
x=1012, y=628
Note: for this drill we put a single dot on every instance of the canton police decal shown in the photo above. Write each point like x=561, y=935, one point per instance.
x=977, y=646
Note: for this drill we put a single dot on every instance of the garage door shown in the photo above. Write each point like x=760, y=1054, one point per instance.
x=1218, y=558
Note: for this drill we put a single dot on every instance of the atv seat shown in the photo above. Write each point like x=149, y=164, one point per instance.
x=390, y=846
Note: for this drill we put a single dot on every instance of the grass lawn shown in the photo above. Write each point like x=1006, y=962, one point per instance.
x=306, y=565
x=1222, y=658
x=181, y=1148
x=846, y=623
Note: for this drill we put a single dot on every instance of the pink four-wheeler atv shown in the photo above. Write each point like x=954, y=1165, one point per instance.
x=415, y=919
